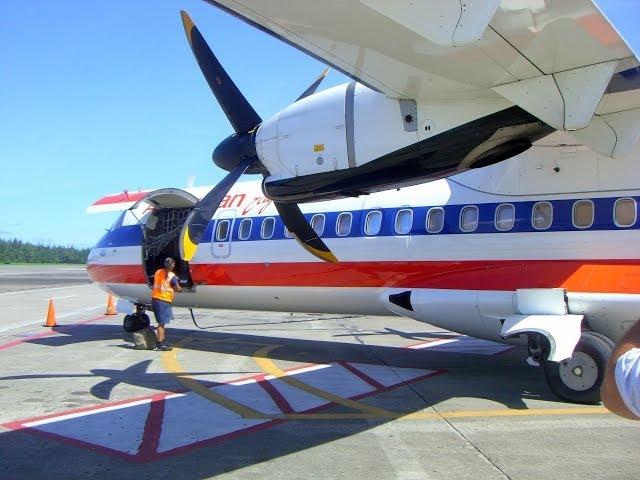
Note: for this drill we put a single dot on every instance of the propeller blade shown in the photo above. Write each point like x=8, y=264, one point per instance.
x=241, y=115
x=312, y=88
x=305, y=235
x=204, y=210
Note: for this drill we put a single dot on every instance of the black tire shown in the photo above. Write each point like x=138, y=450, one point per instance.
x=589, y=359
x=135, y=322
x=144, y=320
x=128, y=323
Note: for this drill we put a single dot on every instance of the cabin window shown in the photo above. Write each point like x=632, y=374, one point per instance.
x=582, y=214
x=505, y=217
x=222, y=230
x=542, y=215
x=287, y=233
x=404, y=221
x=268, y=225
x=469, y=218
x=343, y=224
x=317, y=223
x=435, y=220
x=373, y=222
x=244, y=230
x=625, y=212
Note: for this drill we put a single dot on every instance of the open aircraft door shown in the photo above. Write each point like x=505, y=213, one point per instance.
x=161, y=215
x=222, y=233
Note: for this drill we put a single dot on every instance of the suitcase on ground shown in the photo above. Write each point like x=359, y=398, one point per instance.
x=145, y=339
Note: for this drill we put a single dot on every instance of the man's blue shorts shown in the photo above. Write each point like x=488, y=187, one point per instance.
x=162, y=310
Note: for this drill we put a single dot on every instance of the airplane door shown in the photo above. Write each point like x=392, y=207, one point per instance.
x=222, y=232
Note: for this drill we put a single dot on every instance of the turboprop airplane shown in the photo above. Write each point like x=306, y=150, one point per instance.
x=523, y=117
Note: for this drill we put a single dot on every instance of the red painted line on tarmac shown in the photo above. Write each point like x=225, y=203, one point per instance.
x=52, y=331
x=276, y=396
x=152, y=428
x=374, y=383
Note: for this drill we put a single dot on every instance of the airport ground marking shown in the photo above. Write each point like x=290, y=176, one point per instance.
x=171, y=364
x=365, y=412
x=66, y=287
x=266, y=364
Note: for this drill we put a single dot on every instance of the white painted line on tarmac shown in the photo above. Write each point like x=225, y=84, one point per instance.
x=66, y=287
x=87, y=412
x=60, y=298
x=40, y=321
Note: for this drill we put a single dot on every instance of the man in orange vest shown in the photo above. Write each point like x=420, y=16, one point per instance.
x=165, y=282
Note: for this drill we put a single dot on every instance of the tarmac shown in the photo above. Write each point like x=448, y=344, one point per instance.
x=278, y=396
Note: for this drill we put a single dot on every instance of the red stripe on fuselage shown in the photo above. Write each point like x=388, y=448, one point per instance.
x=605, y=276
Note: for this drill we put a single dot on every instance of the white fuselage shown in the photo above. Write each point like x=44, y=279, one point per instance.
x=484, y=239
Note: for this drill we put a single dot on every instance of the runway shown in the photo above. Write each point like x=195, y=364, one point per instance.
x=279, y=395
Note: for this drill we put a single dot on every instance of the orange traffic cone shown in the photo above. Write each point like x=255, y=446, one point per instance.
x=111, y=309
x=51, y=315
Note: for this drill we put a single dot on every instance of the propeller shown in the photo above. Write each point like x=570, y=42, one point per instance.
x=237, y=154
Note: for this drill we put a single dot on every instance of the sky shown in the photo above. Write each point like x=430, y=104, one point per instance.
x=101, y=96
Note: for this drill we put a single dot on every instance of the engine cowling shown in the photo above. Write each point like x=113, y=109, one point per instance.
x=350, y=140
x=324, y=133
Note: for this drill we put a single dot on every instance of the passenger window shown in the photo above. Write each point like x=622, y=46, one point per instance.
x=505, y=217
x=542, y=215
x=582, y=215
x=343, y=224
x=317, y=223
x=435, y=220
x=222, y=230
x=469, y=218
x=266, y=231
x=625, y=212
x=244, y=231
x=287, y=233
x=404, y=221
x=373, y=222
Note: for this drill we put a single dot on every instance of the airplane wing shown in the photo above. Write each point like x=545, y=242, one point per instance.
x=562, y=60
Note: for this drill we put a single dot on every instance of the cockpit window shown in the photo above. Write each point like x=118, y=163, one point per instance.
x=118, y=223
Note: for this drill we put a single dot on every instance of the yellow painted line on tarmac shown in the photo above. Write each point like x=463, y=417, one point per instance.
x=171, y=364
x=267, y=365
x=365, y=412
x=532, y=412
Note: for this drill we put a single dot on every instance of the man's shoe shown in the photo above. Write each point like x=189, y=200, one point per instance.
x=162, y=347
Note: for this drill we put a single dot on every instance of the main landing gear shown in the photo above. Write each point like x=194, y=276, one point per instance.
x=578, y=378
x=136, y=321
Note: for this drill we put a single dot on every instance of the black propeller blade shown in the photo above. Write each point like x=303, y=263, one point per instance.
x=204, y=210
x=237, y=153
x=312, y=88
x=302, y=231
x=241, y=115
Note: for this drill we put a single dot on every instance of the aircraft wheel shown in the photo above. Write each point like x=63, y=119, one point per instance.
x=144, y=320
x=128, y=323
x=578, y=379
x=134, y=322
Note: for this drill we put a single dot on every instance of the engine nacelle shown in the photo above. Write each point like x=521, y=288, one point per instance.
x=350, y=140
x=324, y=133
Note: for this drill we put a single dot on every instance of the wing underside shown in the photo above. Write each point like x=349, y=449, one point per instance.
x=560, y=60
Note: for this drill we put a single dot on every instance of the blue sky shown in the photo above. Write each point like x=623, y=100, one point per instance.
x=97, y=97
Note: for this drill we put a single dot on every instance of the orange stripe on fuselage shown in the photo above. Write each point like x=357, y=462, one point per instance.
x=604, y=276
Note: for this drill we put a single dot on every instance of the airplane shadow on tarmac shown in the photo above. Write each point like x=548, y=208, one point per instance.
x=503, y=378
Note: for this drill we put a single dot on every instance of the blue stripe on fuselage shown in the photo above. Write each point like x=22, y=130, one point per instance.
x=562, y=222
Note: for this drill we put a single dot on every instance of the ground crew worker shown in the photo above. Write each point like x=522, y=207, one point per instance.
x=165, y=282
x=620, y=389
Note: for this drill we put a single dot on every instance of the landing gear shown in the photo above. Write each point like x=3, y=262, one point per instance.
x=578, y=379
x=136, y=321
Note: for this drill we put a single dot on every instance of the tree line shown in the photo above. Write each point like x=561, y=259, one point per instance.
x=17, y=251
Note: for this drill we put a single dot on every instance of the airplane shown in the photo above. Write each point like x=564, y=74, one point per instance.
x=477, y=174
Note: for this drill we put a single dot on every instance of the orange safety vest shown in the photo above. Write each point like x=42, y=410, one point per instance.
x=162, y=289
